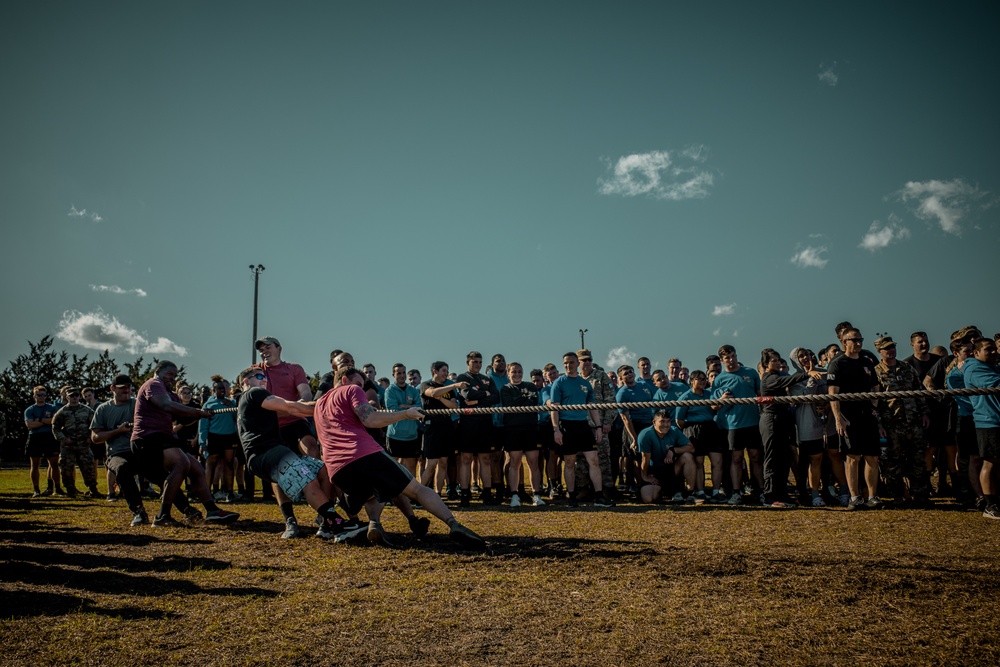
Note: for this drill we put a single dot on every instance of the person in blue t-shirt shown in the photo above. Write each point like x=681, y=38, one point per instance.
x=41, y=443
x=631, y=390
x=965, y=431
x=697, y=422
x=571, y=432
x=982, y=372
x=741, y=421
x=403, y=437
x=666, y=453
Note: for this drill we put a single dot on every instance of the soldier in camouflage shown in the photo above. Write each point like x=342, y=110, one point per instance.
x=603, y=393
x=71, y=427
x=903, y=422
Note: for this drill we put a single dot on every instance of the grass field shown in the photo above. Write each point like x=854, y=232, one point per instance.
x=631, y=585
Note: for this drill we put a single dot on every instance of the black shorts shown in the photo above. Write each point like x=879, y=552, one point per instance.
x=744, y=438
x=99, y=450
x=862, y=436
x=544, y=436
x=404, y=449
x=989, y=443
x=811, y=447
x=41, y=445
x=220, y=443
x=147, y=453
x=440, y=440
x=706, y=438
x=577, y=437
x=375, y=475
x=520, y=439
x=476, y=435
x=292, y=433
x=965, y=435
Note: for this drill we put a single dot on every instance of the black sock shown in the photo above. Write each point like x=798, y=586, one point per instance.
x=327, y=510
x=991, y=499
x=287, y=511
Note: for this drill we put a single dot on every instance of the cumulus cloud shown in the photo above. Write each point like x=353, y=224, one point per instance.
x=879, y=235
x=943, y=201
x=115, y=289
x=810, y=256
x=828, y=73
x=728, y=309
x=620, y=355
x=100, y=331
x=660, y=174
x=82, y=213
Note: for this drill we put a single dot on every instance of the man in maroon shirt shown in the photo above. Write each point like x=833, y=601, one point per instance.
x=156, y=448
x=288, y=381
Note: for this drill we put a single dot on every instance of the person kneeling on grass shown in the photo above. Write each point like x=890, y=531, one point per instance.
x=366, y=475
x=292, y=476
x=666, y=454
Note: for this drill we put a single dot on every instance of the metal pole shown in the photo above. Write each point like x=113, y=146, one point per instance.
x=583, y=331
x=256, y=279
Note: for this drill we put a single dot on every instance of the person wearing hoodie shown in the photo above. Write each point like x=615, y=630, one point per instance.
x=776, y=427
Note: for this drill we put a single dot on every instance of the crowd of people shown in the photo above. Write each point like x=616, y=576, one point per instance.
x=362, y=442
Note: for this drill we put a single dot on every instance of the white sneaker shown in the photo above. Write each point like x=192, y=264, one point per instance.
x=515, y=500
x=537, y=500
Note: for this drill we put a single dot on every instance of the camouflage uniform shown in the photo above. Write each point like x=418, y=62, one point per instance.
x=71, y=427
x=907, y=442
x=603, y=393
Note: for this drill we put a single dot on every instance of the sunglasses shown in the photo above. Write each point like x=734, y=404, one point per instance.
x=259, y=376
x=854, y=340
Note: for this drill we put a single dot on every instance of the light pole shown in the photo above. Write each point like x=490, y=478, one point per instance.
x=583, y=331
x=256, y=270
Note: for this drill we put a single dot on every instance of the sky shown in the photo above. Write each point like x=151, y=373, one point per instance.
x=422, y=179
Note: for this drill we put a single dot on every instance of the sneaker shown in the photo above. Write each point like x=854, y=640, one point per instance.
x=678, y=497
x=489, y=499
x=719, y=498
x=981, y=504
x=476, y=489
x=779, y=505
x=844, y=499
x=818, y=502
x=572, y=502
x=700, y=496
x=230, y=497
x=736, y=498
x=71, y=492
x=140, y=519
x=353, y=532
x=603, y=501
x=857, y=504
x=377, y=536
x=192, y=516
x=466, y=538
x=291, y=529
x=111, y=498
x=537, y=501
x=329, y=530
x=452, y=493
x=46, y=492
x=62, y=492
x=219, y=496
x=875, y=503
x=466, y=499
x=36, y=494
x=222, y=517
x=554, y=494
x=515, y=501
x=419, y=525
x=992, y=512
x=166, y=522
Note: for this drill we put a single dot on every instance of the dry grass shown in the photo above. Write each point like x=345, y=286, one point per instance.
x=633, y=585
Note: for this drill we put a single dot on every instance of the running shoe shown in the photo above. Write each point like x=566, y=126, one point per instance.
x=36, y=494
x=719, y=498
x=353, y=532
x=537, y=501
x=992, y=512
x=46, y=492
x=857, y=504
x=377, y=536
x=166, y=522
x=845, y=500
x=465, y=537
x=515, y=501
x=419, y=525
x=111, y=498
x=981, y=504
x=572, y=502
x=222, y=517
x=818, y=502
x=140, y=519
x=736, y=498
x=700, y=496
x=875, y=503
x=603, y=501
x=678, y=497
x=291, y=529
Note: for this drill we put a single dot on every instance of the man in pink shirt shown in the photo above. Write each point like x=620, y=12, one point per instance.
x=366, y=475
x=288, y=381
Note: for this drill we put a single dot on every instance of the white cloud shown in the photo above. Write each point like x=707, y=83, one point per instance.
x=660, y=175
x=717, y=331
x=100, y=331
x=620, y=355
x=943, y=201
x=879, y=235
x=82, y=213
x=736, y=333
x=115, y=289
x=810, y=256
x=728, y=309
x=827, y=73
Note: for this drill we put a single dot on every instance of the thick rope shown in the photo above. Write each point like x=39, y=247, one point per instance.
x=756, y=400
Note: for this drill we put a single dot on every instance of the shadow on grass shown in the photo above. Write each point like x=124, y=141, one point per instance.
x=24, y=604
x=503, y=546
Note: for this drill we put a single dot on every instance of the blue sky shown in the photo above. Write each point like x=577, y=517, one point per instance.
x=422, y=179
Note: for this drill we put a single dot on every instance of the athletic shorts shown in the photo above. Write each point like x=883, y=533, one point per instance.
x=99, y=450
x=862, y=437
x=440, y=440
x=811, y=447
x=544, y=436
x=989, y=442
x=376, y=476
x=286, y=468
x=476, y=436
x=41, y=445
x=520, y=439
x=705, y=437
x=219, y=443
x=292, y=433
x=404, y=449
x=577, y=437
x=744, y=438
x=965, y=436
x=147, y=452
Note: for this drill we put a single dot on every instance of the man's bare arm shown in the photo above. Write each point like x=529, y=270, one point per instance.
x=373, y=419
x=305, y=393
x=292, y=408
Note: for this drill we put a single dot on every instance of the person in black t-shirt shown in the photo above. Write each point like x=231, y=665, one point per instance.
x=476, y=437
x=520, y=434
x=856, y=423
x=440, y=443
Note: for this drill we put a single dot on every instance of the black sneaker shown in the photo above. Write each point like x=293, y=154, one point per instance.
x=466, y=499
x=452, y=493
x=981, y=504
x=140, y=519
x=602, y=501
x=166, y=522
x=291, y=529
x=857, y=504
x=222, y=517
x=192, y=517
x=46, y=492
x=419, y=525
x=572, y=502
x=352, y=532
x=875, y=503
x=992, y=512
x=466, y=538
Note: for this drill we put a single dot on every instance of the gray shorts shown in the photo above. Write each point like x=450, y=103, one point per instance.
x=290, y=471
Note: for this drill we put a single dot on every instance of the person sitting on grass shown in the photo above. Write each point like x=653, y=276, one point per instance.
x=365, y=473
x=292, y=476
x=666, y=454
